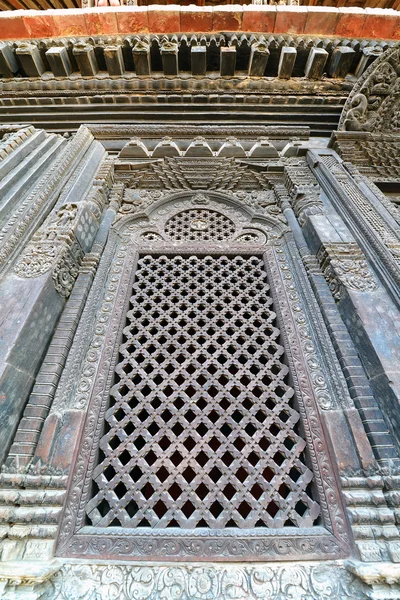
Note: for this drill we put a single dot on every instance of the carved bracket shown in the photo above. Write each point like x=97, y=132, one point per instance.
x=344, y=266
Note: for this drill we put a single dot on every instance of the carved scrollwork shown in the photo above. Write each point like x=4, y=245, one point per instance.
x=135, y=201
x=55, y=247
x=185, y=582
x=344, y=265
x=36, y=261
x=373, y=103
x=66, y=268
x=222, y=210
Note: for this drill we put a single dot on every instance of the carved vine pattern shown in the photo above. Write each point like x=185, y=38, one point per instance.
x=106, y=582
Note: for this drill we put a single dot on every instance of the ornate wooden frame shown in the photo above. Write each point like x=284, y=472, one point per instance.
x=329, y=540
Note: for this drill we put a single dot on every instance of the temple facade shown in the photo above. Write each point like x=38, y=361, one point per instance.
x=199, y=304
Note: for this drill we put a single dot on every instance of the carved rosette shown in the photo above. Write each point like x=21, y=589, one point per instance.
x=344, y=266
x=36, y=261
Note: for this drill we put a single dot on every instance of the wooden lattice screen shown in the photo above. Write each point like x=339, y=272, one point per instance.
x=202, y=429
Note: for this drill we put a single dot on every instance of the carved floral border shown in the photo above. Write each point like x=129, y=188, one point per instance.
x=209, y=582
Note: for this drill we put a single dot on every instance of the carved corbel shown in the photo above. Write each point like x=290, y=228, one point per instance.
x=344, y=266
x=55, y=247
x=26, y=579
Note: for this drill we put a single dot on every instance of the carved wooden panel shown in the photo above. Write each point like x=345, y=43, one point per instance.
x=202, y=427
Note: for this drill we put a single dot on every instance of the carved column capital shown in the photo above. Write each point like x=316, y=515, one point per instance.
x=54, y=247
x=303, y=190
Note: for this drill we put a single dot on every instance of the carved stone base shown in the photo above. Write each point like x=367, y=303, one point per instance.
x=382, y=579
x=193, y=581
x=27, y=580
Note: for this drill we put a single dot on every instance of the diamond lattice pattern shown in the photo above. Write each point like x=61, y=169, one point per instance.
x=199, y=224
x=202, y=429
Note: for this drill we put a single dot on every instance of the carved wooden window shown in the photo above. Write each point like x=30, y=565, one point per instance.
x=202, y=438
x=202, y=428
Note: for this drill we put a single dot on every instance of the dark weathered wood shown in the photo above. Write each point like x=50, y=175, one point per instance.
x=8, y=63
x=169, y=56
x=341, y=61
x=141, y=58
x=258, y=60
x=114, y=60
x=286, y=62
x=198, y=60
x=31, y=60
x=316, y=63
x=59, y=61
x=228, y=61
x=86, y=59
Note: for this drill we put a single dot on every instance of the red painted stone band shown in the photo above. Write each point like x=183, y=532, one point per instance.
x=373, y=23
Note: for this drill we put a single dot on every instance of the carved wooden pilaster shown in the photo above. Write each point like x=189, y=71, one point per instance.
x=60, y=228
x=358, y=386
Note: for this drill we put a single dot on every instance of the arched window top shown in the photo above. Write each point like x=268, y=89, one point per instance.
x=211, y=218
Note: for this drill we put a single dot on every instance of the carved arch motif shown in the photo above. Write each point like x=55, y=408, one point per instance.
x=374, y=103
x=254, y=216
